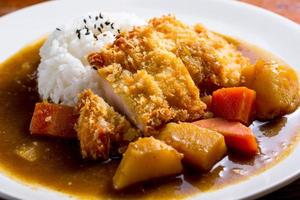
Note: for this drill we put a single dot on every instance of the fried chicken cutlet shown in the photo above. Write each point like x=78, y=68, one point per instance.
x=209, y=58
x=100, y=129
x=137, y=95
x=131, y=60
x=158, y=90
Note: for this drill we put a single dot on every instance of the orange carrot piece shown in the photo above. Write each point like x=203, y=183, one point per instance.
x=238, y=137
x=53, y=120
x=236, y=103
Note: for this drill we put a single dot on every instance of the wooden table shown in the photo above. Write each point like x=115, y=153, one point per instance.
x=287, y=8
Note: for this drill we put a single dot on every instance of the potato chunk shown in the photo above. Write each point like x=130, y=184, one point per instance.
x=145, y=159
x=277, y=89
x=201, y=147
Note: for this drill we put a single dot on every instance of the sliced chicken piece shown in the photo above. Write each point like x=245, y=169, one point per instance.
x=210, y=59
x=140, y=50
x=137, y=95
x=174, y=80
x=223, y=59
x=176, y=84
x=100, y=128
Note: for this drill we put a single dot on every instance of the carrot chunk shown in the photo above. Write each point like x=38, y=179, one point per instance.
x=236, y=103
x=238, y=137
x=53, y=120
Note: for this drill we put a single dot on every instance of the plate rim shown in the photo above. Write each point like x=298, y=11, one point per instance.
x=258, y=193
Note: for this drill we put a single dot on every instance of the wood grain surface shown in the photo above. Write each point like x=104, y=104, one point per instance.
x=287, y=8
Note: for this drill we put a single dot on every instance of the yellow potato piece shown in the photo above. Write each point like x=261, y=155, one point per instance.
x=277, y=89
x=201, y=147
x=145, y=159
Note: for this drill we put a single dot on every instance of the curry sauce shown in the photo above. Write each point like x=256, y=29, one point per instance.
x=57, y=163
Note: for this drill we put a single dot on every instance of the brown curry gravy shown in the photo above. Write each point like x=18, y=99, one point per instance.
x=59, y=165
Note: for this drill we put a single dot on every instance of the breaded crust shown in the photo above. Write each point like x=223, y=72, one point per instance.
x=144, y=100
x=145, y=49
x=209, y=58
x=99, y=127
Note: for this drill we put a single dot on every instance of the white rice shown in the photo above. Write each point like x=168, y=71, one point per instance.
x=64, y=71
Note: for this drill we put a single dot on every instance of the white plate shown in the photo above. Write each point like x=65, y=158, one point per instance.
x=252, y=24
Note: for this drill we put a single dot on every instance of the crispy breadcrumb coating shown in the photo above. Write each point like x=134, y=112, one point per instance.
x=145, y=49
x=209, y=58
x=142, y=98
x=175, y=83
x=99, y=127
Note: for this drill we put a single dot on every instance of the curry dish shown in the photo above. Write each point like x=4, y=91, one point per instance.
x=109, y=147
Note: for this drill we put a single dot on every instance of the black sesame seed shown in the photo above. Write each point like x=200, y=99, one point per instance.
x=90, y=17
x=107, y=23
x=84, y=20
x=58, y=29
x=112, y=25
x=100, y=16
x=96, y=18
x=94, y=68
x=87, y=30
x=95, y=36
x=104, y=35
x=94, y=26
x=99, y=29
x=101, y=25
x=119, y=31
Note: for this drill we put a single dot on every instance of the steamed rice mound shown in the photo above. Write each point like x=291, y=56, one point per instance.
x=64, y=71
